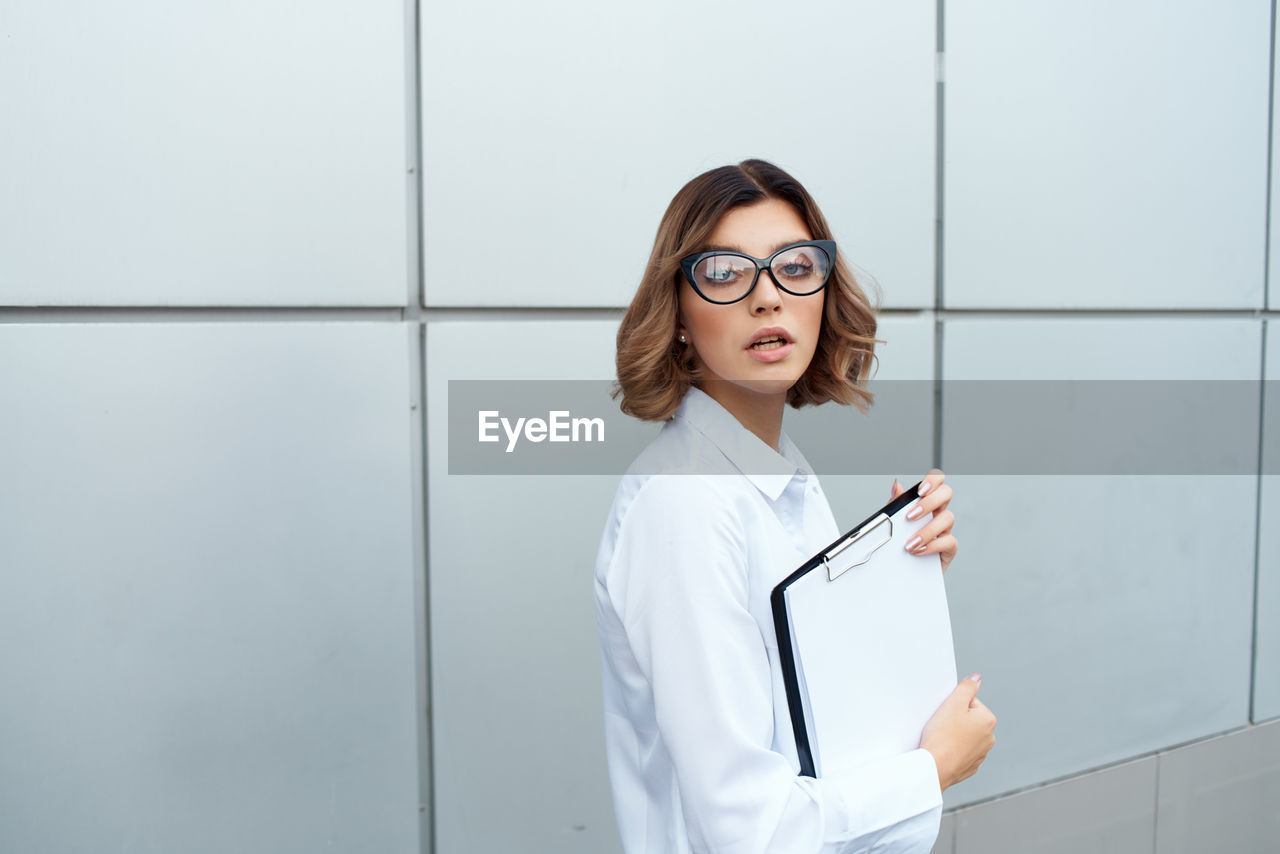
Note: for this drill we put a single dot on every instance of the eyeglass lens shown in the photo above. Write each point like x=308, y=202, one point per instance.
x=800, y=270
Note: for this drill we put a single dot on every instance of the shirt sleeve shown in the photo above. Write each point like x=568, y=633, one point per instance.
x=679, y=582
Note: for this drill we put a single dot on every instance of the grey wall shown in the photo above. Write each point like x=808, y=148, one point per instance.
x=232, y=154
x=576, y=124
x=244, y=248
x=1106, y=155
x=207, y=607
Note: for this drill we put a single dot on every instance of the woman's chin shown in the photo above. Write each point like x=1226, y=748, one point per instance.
x=770, y=386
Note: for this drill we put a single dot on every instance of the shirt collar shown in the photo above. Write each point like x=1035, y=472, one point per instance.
x=767, y=469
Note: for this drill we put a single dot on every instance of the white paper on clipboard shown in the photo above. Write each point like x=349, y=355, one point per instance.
x=871, y=645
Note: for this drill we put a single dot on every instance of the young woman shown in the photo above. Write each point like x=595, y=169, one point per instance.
x=745, y=306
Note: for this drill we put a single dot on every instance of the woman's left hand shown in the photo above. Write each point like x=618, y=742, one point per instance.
x=936, y=536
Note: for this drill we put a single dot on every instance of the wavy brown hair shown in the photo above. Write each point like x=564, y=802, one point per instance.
x=655, y=371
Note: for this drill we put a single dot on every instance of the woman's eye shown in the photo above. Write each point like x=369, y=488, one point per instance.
x=796, y=269
x=719, y=274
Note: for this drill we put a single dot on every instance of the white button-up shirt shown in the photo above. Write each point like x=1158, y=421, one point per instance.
x=698, y=734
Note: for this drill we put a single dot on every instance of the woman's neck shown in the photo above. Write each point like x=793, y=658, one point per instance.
x=759, y=413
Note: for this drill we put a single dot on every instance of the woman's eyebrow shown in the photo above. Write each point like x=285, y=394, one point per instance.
x=740, y=250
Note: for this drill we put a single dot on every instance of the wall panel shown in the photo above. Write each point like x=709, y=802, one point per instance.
x=1221, y=794
x=1090, y=600
x=214, y=153
x=517, y=714
x=1106, y=155
x=554, y=135
x=1273, y=256
x=1266, y=664
x=1108, y=812
x=206, y=604
x=515, y=661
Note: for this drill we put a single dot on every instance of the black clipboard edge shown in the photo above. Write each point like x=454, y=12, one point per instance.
x=782, y=629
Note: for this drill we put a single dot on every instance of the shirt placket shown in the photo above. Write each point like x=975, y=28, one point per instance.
x=817, y=515
x=790, y=510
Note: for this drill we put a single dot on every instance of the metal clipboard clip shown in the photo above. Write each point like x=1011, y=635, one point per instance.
x=878, y=522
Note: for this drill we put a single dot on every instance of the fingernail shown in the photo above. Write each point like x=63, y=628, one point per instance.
x=923, y=488
x=912, y=543
x=914, y=512
x=976, y=677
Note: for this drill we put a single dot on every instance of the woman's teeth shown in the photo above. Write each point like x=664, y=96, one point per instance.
x=768, y=344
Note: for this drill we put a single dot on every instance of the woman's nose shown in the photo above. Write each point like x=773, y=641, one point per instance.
x=765, y=296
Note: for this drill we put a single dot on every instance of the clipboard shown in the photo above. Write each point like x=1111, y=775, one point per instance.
x=864, y=639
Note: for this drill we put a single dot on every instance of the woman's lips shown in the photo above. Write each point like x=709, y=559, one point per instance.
x=770, y=350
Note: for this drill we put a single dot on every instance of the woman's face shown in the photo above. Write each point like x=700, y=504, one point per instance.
x=722, y=337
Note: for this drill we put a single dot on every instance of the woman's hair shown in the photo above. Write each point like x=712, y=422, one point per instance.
x=655, y=372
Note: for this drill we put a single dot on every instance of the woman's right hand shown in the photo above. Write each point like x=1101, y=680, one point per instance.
x=960, y=733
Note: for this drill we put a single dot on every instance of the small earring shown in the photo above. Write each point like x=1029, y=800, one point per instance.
x=681, y=339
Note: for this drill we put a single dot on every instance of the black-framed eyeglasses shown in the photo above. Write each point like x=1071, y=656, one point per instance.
x=724, y=277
